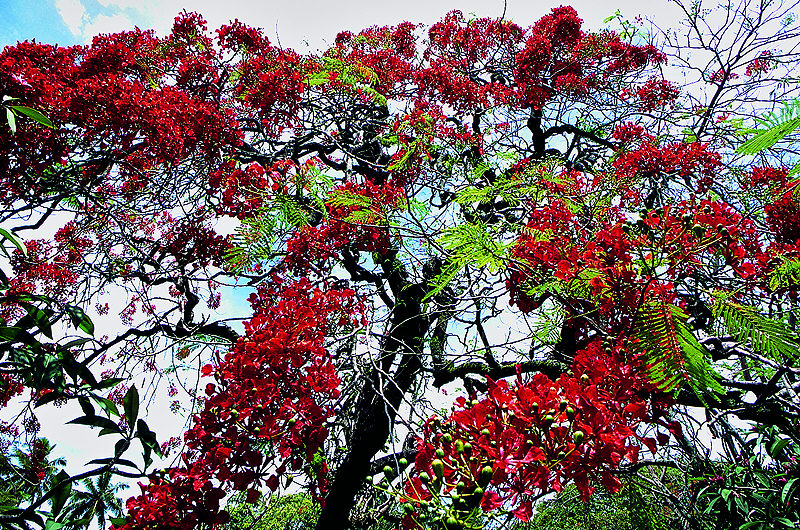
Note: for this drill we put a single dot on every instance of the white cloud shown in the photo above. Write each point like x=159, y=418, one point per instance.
x=120, y=4
x=72, y=13
x=106, y=24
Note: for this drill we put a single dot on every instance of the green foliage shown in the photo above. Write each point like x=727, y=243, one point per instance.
x=285, y=512
x=787, y=274
x=358, y=78
x=510, y=190
x=759, y=492
x=633, y=508
x=94, y=501
x=776, y=126
x=258, y=237
x=12, y=111
x=748, y=326
x=670, y=352
x=469, y=244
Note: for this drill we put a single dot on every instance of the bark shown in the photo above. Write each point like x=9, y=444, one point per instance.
x=380, y=397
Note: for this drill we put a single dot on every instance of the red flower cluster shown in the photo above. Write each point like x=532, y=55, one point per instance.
x=388, y=52
x=532, y=437
x=263, y=417
x=783, y=212
x=693, y=161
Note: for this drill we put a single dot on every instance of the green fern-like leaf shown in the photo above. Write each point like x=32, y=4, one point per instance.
x=670, y=352
x=469, y=243
x=778, y=126
x=787, y=274
x=252, y=242
x=290, y=211
x=348, y=199
x=747, y=325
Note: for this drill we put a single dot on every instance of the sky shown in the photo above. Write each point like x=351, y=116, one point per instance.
x=299, y=24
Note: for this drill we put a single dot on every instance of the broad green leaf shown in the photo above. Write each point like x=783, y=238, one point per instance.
x=34, y=115
x=787, y=489
x=131, y=405
x=97, y=421
x=80, y=319
x=12, y=122
x=61, y=494
x=7, y=234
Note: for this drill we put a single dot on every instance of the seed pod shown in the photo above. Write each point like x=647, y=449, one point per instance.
x=578, y=436
x=388, y=471
x=585, y=379
x=424, y=477
x=459, y=446
x=698, y=231
x=468, y=449
x=562, y=406
x=548, y=420
x=486, y=475
x=447, y=438
x=438, y=468
x=485, y=432
x=440, y=453
x=570, y=413
x=402, y=462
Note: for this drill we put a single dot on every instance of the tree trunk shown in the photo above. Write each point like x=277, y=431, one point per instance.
x=377, y=402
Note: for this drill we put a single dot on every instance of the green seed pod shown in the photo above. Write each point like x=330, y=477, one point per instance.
x=548, y=420
x=438, y=468
x=486, y=475
x=468, y=449
x=578, y=436
x=570, y=413
x=698, y=231
x=562, y=406
x=424, y=477
x=402, y=462
x=585, y=379
x=459, y=446
x=447, y=438
x=460, y=486
x=388, y=471
x=440, y=453
x=485, y=432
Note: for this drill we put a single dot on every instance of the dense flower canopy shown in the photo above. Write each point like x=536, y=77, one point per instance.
x=395, y=198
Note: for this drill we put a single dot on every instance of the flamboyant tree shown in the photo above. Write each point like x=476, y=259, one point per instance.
x=534, y=216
